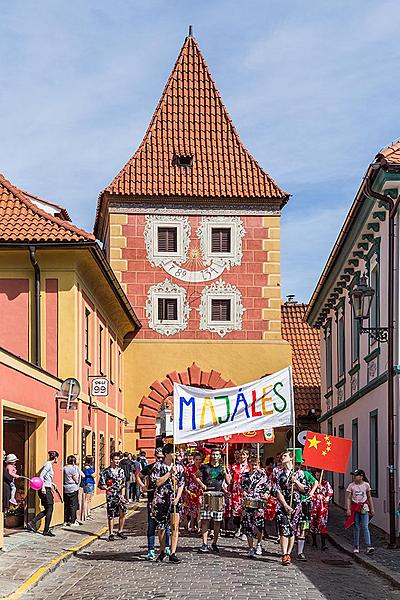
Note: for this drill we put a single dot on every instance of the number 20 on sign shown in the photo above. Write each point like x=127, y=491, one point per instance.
x=99, y=386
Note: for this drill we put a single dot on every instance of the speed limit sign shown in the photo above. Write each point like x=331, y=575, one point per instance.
x=99, y=386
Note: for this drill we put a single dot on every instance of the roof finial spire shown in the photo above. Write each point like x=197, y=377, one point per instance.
x=190, y=30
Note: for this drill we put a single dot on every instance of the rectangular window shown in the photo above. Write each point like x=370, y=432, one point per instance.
x=167, y=309
x=101, y=330
x=167, y=239
x=220, y=310
x=341, y=475
x=328, y=355
x=87, y=330
x=341, y=344
x=354, y=444
x=102, y=451
x=373, y=452
x=221, y=240
x=111, y=359
x=119, y=370
x=355, y=339
x=374, y=282
x=112, y=445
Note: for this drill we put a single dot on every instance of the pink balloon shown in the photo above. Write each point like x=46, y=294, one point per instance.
x=36, y=483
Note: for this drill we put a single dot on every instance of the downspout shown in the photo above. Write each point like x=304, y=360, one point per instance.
x=394, y=205
x=37, y=328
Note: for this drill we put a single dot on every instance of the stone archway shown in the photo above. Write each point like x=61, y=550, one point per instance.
x=161, y=394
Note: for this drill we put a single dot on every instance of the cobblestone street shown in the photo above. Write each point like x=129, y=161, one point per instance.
x=118, y=571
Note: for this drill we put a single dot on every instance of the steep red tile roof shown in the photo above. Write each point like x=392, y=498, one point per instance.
x=191, y=120
x=391, y=154
x=59, y=211
x=23, y=221
x=304, y=341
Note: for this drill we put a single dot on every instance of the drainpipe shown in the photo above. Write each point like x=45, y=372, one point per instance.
x=394, y=205
x=38, y=341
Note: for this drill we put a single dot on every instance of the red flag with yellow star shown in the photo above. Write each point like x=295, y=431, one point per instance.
x=326, y=452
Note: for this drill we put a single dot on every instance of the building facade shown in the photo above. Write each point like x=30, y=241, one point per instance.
x=191, y=226
x=62, y=314
x=354, y=367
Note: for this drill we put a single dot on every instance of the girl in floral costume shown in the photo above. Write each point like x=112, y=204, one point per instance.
x=255, y=485
x=237, y=470
x=289, y=485
x=167, y=503
x=319, y=510
x=193, y=494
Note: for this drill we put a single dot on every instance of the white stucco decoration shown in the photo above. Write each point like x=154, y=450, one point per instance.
x=228, y=259
x=220, y=289
x=184, y=231
x=167, y=289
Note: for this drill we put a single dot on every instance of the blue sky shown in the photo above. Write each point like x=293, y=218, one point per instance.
x=312, y=87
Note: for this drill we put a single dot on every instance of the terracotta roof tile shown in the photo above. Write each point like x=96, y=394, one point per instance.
x=305, y=344
x=23, y=221
x=391, y=154
x=191, y=120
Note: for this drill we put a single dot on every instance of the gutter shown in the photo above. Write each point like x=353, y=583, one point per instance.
x=38, y=337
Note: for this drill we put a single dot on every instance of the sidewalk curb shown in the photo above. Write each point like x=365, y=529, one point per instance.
x=52, y=564
x=366, y=562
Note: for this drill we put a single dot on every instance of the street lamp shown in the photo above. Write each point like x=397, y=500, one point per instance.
x=361, y=297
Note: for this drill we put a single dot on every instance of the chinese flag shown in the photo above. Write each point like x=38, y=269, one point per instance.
x=326, y=452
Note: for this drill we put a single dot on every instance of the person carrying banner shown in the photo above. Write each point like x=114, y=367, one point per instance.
x=319, y=510
x=255, y=486
x=288, y=488
x=306, y=498
x=167, y=503
x=212, y=478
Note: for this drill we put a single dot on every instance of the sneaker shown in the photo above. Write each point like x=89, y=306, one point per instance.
x=174, y=559
x=301, y=557
x=259, y=550
x=30, y=527
x=251, y=553
x=49, y=533
x=204, y=548
x=323, y=548
x=167, y=550
x=121, y=535
x=14, y=502
x=215, y=548
x=90, y=518
x=243, y=537
x=237, y=533
x=370, y=550
x=111, y=537
x=356, y=550
x=286, y=560
x=67, y=525
x=76, y=524
x=151, y=555
x=160, y=557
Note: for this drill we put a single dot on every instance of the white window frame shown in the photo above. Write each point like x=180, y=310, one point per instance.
x=167, y=289
x=217, y=291
x=204, y=233
x=183, y=233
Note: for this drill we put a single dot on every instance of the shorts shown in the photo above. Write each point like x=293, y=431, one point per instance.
x=211, y=514
x=88, y=488
x=115, y=506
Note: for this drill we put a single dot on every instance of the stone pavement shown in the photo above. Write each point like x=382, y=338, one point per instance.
x=384, y=561
x=117, y=570
x=26, y=552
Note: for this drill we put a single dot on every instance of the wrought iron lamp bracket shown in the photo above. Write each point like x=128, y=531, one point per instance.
x=379, y=334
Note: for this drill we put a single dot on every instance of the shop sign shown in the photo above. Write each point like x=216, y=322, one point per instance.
x=99, y=386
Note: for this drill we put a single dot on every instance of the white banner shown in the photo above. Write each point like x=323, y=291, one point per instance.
x=203, y=414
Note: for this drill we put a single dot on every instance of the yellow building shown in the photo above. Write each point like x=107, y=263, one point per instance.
x=62, y=314
x=191, y=226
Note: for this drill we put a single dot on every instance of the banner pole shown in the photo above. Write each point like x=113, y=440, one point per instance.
x=173, y=476
x=227, y=455
x=258, y=450
x=321, y=476
x=293, y=434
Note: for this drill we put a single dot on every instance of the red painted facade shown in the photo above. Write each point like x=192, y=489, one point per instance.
x=248, y=277
x=14, y=316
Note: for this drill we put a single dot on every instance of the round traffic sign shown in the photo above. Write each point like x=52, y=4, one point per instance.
x=70, y=388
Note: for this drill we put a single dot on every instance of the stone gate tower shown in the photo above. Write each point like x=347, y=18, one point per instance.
x=191, y=225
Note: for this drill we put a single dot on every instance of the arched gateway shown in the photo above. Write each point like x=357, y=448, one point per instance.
x=161, y=394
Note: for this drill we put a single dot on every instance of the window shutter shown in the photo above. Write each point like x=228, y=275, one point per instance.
x=167, y=239
x=220, y=310
x=167, y=309
x=221, y=239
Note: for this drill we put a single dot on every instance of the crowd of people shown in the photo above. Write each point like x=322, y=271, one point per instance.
x=203, y=492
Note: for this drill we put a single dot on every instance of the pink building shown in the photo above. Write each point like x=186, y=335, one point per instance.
x=354, y=366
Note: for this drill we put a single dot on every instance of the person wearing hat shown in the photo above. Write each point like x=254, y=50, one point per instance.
x=360, y=508
x=306, y=498
x=11, y=470
x=143, y=480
